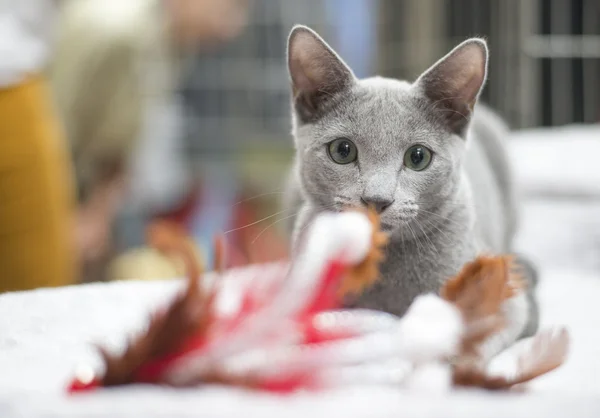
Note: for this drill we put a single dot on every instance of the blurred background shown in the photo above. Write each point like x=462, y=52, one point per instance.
x=178, y=110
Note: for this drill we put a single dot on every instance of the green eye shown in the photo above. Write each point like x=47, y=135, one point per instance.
x=342, y=151
x=417, y=157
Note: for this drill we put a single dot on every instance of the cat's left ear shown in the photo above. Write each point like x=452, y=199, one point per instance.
x=317, y=73
x=454, y=83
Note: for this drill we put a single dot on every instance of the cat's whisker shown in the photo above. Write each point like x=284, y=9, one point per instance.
x=256, y=222
x=447, y=203
x=256, y=197
x=422, y=246
x=431, y=244
x=281, y=192
x=341, y=202
x=436, y=228
x=283, y=219
x=304, y=227
x=445, y=239
x=441, y=217
x=402, y=241
x=270, y=225
x=417, y=243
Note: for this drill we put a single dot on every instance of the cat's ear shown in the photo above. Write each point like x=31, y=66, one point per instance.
x=317, y=73
x=453, y=83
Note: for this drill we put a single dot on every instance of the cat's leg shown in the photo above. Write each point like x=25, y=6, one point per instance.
x=530, y=275
x=521, y=313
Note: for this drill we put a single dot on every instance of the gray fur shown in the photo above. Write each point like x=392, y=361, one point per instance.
x=461, y=205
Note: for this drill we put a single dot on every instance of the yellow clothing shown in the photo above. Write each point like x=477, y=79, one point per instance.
x=36, y=192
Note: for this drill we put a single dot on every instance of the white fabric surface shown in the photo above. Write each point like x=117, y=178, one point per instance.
x=559, y=161
x=45, y=334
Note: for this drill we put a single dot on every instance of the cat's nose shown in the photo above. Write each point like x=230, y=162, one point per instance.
x=378, y=203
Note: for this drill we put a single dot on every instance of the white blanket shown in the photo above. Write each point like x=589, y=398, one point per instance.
x=558, y=162
x=45, y=334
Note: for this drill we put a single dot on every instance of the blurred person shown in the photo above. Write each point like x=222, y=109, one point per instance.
x=36, y=208
x=116, y=69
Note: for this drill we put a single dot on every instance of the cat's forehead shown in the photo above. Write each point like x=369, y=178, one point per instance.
x=381, y=97
x=383, y=84
x=382, y=107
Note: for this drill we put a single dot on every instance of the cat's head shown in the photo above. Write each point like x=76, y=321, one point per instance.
x=392, y=144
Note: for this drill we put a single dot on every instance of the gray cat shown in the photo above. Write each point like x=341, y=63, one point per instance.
x=423, y=154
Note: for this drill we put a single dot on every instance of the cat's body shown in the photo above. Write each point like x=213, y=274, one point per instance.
x=422, y=153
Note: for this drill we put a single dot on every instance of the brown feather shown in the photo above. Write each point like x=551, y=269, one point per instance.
x=187, y=316
x=482, y=286
x=171, y=239
x=547, y=352
x=363, y=275
x=479, y=291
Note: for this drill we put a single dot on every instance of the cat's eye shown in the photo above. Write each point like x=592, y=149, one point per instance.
x=417, y=157
x=342, y=151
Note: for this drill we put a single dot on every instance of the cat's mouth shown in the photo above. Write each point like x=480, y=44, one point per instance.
x=398, y=223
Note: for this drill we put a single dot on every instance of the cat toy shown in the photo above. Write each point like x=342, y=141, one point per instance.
x=279, y=327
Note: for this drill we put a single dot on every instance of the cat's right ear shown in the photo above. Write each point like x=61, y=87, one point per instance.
x=454, y=83
x=317, y=73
